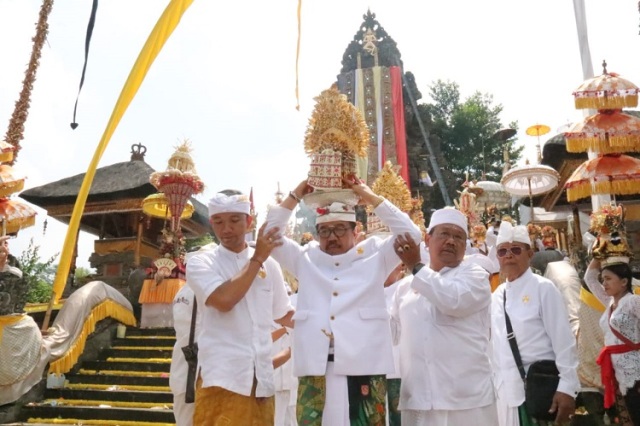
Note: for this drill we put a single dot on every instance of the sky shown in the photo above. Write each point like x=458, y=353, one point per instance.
x=225, y=80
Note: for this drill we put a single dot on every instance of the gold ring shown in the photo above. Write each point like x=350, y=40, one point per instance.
x=270, y=239
x=406, y=247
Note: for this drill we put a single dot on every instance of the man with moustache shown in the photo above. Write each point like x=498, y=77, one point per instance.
x=441, y=320
x=342, y=340
x=541, y=329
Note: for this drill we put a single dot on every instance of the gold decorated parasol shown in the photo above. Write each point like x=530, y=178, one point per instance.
x=607, y=91
x=608, y=131
x=530, y=179
x=157, y=205
x=608, y=174
x=6, y=152
x=15, y=216
x=538, y=130
x=9, y=183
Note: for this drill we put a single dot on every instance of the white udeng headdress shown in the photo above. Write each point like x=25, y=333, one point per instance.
x=334, y=212
x=448, y=216
x=512, y=234
x=221, y=203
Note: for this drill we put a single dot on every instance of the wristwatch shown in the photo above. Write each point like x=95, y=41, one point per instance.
x=417, y=268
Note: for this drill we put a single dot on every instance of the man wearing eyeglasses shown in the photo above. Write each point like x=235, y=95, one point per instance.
x=540, y=324
x=342, y=346
x=441, y=321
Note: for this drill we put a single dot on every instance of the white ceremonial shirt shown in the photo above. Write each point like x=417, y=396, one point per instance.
x=389, y=293
x=541, y=327
x=182, y=311
x=566, y=278
x=343, y=295
x=441, y=320
x=235, y=345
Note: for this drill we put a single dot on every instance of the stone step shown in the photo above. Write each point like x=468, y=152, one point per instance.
x=145, y=341
x=136, y=352
x=100, y=379
x=126, y=366
x=133, y=331
x=98, y=415
x=113, y=395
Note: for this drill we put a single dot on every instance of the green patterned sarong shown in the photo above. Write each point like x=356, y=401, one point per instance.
x=367, y=396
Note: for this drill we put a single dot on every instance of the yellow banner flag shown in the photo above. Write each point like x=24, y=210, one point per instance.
x=155, y=42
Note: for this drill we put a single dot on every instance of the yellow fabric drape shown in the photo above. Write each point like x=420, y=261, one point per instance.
x=108, y=308
x=164, y=292
x=156, y=40
x=590, y=300
x=298, y=52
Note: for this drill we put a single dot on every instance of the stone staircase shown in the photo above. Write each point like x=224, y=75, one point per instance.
x=127, y=385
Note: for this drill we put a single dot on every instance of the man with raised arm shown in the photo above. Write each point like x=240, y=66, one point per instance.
x=240, y=292
x=342, y=340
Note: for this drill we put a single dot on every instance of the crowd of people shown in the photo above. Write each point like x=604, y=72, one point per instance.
x=396, y=329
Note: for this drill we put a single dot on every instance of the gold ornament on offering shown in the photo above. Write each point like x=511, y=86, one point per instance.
x=390, y=185
x=336, y=134
x=478, y=235
x=611, y=243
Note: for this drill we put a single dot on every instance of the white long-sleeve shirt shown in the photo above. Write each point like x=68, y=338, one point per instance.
x=343, y=295
x=441, y=320
x=541, y=326
x=233, y=345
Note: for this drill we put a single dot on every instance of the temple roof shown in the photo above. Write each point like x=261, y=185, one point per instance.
x=118, y=190
x=386, y=48
x=129, y=179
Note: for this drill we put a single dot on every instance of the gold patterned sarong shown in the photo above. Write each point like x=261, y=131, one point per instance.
x=216, y=406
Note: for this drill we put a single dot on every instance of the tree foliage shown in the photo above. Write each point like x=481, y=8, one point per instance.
x=461, y=133
x=37, y=274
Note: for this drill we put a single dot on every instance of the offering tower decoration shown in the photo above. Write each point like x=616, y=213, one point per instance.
x=176, y=184
x=336, y=135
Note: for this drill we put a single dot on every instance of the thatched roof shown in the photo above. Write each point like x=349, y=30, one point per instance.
x=129, y=179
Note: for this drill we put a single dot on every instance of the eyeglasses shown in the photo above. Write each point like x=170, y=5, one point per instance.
x=515, y=250
x=338, y=231
x=445, y=235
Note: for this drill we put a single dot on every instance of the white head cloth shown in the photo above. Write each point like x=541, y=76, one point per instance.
x=448, y=216
x=221, y=203
x=512, y=234
x=334, y=212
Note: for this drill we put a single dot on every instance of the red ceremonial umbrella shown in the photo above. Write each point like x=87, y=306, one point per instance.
x=608, y=131
x=608, y=174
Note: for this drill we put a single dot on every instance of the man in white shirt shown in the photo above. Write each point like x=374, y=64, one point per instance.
x=541, y=328
x=182, y=314
x=341, y=310
x=441, y=320
x=240, y=292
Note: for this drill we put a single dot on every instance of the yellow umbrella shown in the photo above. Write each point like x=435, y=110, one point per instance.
x=157, y=205
x=15, y=216
x=538, y=130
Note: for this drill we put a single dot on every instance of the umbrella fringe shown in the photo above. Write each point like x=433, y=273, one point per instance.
x=614, y=144
x=586, y=189
x=609, y=102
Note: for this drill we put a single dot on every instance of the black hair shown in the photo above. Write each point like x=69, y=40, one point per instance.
x=621, y=270
x=351, y=224
x=230, y=192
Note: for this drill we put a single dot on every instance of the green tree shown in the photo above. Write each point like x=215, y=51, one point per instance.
x=37, y=274
x=462, y=137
